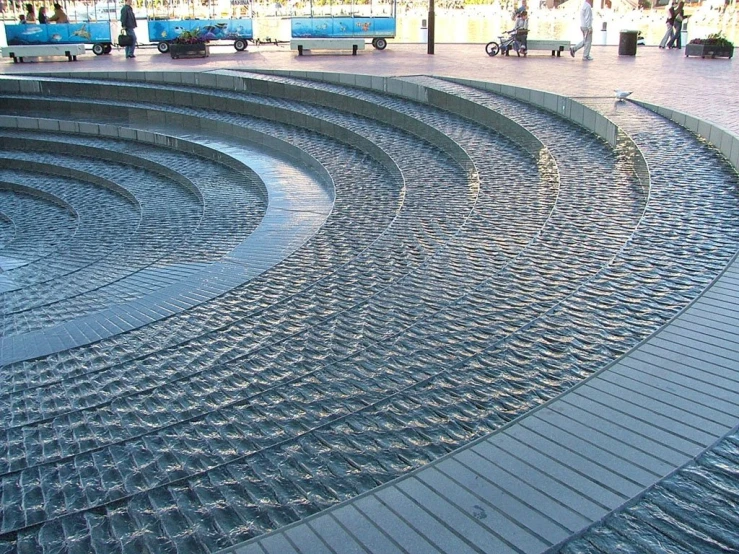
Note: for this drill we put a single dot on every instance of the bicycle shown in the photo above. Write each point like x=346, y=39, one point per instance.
x=506, y=44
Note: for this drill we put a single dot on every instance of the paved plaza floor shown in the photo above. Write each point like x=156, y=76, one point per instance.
x=702, y=87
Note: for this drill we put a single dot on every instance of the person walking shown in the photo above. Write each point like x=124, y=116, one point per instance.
x=678, y=26
x=128, y=22
x=670, y=31
x=586, y=26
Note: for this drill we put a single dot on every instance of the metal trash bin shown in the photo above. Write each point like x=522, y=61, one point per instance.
x=627, y=43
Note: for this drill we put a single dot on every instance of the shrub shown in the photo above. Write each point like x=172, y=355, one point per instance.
x=714, y=39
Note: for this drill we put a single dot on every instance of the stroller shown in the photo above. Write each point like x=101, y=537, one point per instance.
x=507, y=43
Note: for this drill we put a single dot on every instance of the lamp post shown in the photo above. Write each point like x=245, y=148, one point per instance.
x=432, y=26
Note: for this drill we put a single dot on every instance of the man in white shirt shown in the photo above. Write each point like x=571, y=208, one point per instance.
x=586, y=26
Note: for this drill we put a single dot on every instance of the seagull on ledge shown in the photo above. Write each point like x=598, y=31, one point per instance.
x=622, y=94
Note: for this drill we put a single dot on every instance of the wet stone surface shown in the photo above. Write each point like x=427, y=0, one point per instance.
x=432, y=307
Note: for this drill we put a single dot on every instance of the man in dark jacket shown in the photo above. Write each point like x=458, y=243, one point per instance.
x=128, y=22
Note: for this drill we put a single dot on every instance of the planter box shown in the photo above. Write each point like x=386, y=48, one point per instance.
x=198, y=50
x=708, y=50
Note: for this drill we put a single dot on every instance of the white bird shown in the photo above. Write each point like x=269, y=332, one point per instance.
x=622, y=94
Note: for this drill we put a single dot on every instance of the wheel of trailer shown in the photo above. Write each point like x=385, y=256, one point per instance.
x=240, y=45
x=163, y=47
x=492, y=48
x=98, y=49
x=107, y=49
x=379, y=43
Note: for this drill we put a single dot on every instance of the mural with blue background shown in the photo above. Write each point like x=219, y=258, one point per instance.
x=210, y=29
x=58, y=33
x=342, y=27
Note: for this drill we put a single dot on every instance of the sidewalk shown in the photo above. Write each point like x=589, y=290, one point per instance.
x=701, y=87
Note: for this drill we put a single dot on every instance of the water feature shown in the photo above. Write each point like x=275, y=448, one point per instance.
x=427, y=311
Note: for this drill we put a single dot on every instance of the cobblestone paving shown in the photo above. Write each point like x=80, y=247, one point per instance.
x=397, y=334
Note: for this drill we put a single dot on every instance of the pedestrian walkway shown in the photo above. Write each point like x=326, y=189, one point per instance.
x=691, y=85
x=542, y=478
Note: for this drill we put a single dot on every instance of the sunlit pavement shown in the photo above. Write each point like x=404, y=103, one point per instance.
x=702, y=87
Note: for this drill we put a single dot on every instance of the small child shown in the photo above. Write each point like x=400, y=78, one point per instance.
x=522, y=28
x=21, y=19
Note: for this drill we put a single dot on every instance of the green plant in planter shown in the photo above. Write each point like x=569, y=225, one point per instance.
x=190, y=37
x=189, y=44
x=714, y=39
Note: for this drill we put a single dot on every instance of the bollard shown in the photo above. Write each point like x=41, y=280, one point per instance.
x=604, y=34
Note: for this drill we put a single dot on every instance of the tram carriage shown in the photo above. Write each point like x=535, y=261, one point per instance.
x=216, y=20
x=356, y=19
x=89, y=24
x=168, y=20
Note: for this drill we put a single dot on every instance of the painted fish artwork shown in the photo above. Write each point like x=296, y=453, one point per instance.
x=209, y=29
x=82, y=32
x=60, y=33
x=32, y=30
x=340, y=27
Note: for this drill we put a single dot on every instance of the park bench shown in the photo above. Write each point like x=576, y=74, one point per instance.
x=554, y=46
x=302, y=44
x=18, y=52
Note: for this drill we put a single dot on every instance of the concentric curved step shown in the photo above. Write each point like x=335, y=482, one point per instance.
x=209, y=247
x=38, y=223
x=460, y=280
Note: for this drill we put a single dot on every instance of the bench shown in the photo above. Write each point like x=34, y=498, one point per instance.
x=301, y=44
x=555, y=46
x=34, y=50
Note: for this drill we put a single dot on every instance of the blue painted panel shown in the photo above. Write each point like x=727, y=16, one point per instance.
x=211, y=29
x=342, y=27
x=58, y=33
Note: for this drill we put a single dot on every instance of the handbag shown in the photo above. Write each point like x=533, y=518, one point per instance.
x=125, y=40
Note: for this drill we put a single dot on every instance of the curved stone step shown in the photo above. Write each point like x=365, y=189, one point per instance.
x=231, y=200
x=494, y=468
x=31, y=237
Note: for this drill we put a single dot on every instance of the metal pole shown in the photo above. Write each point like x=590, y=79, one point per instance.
x=432, y=26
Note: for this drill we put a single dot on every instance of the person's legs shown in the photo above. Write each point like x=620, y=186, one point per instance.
x=675, y=35
x=678, y=34
x=580, y=44
x=667, y=37
x=588, y=40
x=132, y=47
x=521, y=39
